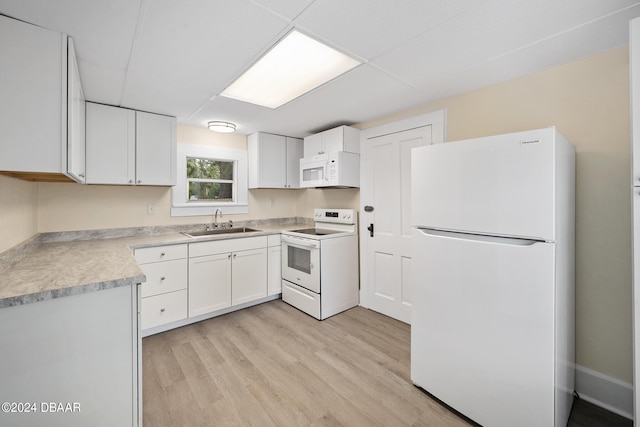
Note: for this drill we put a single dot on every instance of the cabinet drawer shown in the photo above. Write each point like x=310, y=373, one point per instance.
x=301, y=298
x=163, y=277
x=273, y=240
x=229, y=245
x=160, y=253
x=166, y=308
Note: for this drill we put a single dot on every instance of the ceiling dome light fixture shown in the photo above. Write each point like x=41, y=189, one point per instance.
x=222, y=127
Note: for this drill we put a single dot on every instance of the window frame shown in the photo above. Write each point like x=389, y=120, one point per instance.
x=180, y=206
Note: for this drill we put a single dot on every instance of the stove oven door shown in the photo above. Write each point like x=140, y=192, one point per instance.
x=301, y=262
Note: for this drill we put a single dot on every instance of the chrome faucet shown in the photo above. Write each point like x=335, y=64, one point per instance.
x=215, y=217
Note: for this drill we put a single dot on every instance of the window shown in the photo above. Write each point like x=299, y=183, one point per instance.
x=210, y=178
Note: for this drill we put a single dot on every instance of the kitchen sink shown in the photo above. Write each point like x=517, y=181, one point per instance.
x=217, y=231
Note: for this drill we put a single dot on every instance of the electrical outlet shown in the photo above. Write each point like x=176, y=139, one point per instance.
x=151, y=209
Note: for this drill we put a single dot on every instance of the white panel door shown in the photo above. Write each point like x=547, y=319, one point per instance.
x=482, y=329
x=386, y=187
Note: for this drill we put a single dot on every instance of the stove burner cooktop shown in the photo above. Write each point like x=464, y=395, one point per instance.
x=315, y=231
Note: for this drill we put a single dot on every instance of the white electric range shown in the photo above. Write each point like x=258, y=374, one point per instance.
x=320, y=273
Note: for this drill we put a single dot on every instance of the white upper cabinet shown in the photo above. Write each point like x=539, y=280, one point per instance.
x=342, y=138
x=76, y=145
x=274, y=161
x=34, y=112
x=129, y=147
x=111, y=144
x=155, y=149
x=634, y=72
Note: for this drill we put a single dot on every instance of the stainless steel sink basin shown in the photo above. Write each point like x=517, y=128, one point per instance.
x=219, y=231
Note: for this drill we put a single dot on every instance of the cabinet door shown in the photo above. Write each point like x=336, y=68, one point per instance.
x=209, y=283
x=294, y=152
x=76, y=118
x=274, y=270
x=333, y=140
x=313, y=145
x=33, y=93
x=111, y=133
x=634, y=72
x=269, y=168
x=249, y=280
x=155, y=149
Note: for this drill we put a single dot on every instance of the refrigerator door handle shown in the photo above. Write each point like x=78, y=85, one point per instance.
x=480, y=237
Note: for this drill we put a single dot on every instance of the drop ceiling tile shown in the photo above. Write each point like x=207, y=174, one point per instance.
x=367, y=29
x=101, y=83
x=488, y=30
x=286, y=8
x=185, y=52
x=90, y=22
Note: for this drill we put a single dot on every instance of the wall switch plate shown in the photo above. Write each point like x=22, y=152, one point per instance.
x=151, y=209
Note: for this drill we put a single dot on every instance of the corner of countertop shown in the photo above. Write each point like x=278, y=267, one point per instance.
x=17, y=253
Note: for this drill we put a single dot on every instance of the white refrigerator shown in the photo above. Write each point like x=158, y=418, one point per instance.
x=492, y=318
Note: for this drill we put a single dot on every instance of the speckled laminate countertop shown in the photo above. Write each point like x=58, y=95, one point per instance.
x=54, y=268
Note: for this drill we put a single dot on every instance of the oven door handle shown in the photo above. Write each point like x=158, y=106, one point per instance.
x=301, y=243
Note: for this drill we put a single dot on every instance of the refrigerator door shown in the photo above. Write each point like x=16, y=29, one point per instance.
x=482, y=333
x=499, y=185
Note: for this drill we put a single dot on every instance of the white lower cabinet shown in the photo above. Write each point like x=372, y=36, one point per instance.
x=192, y=281
x=209, y=283
x=224, y=273
x=78, y=350
x=164, y=294
x=248, y=276
x=274, y=265
x=164, y=308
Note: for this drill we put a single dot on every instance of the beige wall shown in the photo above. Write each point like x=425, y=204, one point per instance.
x=588, y=101
x=18, y=211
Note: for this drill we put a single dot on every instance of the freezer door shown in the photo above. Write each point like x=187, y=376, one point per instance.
x=499, y=185
x=482, y=327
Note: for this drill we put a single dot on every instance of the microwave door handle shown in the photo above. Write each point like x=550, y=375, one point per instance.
x=326, y=171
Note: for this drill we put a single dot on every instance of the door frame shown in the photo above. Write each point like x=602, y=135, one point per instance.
x=437, y=121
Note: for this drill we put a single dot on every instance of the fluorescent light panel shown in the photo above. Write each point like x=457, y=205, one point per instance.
x=293, y=67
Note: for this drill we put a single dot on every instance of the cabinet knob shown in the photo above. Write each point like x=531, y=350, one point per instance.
x=162, y=254
x=139, y=181
x=234, y=255
x=229, y=256
x=162, y=310
x=130, y=181
x=162, y=278
x=81, y=175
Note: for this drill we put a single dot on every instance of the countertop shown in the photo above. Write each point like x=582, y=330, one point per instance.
x=58, y=268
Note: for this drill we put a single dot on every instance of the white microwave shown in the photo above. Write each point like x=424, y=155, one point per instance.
x=336, y=169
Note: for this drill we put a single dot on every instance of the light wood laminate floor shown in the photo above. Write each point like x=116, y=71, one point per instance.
x=272, y=365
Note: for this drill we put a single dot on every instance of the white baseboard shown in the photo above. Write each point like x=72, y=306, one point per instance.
x=605, y=391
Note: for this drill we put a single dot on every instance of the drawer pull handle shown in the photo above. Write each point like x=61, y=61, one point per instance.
x=162, y=310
